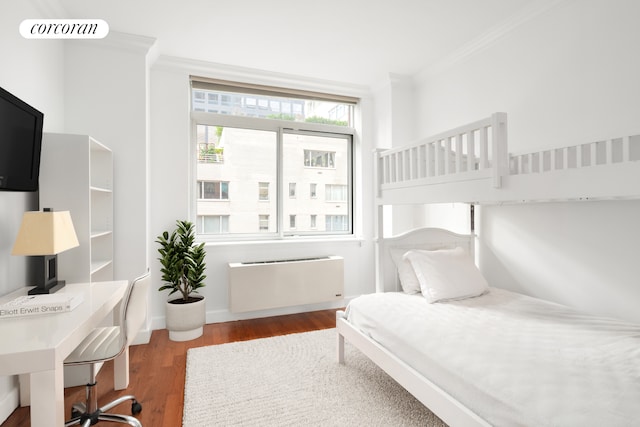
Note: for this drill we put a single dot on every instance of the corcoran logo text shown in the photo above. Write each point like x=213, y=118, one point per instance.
x=64, y=28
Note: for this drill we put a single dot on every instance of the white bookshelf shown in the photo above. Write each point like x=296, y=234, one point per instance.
x=76, y=174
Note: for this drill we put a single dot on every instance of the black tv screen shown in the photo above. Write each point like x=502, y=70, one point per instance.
x=20, y=143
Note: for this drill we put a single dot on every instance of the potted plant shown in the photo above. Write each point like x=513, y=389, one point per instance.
x=183, y=265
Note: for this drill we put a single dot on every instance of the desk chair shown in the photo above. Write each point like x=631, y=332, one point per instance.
x=107, y=343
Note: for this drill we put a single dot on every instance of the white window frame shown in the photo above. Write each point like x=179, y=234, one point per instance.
x=280, y=127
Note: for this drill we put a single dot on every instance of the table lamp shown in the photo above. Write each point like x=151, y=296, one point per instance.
x=45, y=234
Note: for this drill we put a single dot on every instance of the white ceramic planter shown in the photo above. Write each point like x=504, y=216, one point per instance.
x=185, y=321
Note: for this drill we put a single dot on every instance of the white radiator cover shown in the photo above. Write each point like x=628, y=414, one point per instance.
x=285, y=283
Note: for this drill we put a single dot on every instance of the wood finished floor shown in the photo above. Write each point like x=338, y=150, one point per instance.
x=157, y=369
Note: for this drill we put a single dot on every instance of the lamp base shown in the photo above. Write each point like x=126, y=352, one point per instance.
x=48, y=288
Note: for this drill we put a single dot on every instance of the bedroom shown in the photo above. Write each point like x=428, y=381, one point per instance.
x=562, y=70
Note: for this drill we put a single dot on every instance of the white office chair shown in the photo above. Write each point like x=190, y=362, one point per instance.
x=107, y=343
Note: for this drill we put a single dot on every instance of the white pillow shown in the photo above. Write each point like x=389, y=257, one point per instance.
x=407, y=276
x=446, y=274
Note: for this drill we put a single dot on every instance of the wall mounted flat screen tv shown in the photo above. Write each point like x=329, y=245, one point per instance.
x=20, y=143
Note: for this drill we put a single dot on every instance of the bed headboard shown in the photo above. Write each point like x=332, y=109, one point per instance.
x=421, y=238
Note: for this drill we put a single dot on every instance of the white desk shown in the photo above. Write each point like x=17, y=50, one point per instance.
x=37, y=345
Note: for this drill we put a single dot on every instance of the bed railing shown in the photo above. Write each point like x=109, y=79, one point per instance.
x=474, y=162
x=474, y=151
x=618, y=150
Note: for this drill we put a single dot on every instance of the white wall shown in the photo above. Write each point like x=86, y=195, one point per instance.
x=582, y=254
x=106, y=97
x=396, y=123
x=568, y=75
x=98, y=88
x=170, y=187
x=32, y=70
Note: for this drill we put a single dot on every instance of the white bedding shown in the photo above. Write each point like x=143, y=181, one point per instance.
x=512, y=359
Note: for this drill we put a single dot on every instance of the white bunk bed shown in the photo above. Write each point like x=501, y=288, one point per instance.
x=470, y=164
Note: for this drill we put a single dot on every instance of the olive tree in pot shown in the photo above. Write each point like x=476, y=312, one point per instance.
x=183, y=265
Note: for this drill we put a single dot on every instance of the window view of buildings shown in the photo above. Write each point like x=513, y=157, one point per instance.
x=272, y=107
x=238, y=168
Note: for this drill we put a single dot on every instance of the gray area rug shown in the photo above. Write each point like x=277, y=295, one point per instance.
x=294, y=380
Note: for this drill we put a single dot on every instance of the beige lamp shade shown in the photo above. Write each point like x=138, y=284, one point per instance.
x=45, y=233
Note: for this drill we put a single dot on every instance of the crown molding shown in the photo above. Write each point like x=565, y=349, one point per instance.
x=126, y=41
x=53, y=9
x=487, y=39
x=121, y=41
x=391, y=81
x=256, y=76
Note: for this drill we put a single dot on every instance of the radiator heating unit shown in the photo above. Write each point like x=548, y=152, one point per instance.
x=285, y=283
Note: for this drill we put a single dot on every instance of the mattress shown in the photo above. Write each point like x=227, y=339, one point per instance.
x=512, y=359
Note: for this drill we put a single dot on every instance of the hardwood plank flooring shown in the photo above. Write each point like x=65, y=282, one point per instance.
x=157, y=369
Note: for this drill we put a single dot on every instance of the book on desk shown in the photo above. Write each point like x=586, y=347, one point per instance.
x=32, y=305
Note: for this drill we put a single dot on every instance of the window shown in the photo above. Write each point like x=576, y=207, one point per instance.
x=213, y=190
x=336, y=223
x=319, y=159
x=212, y=224
x=263, y=191
x=335, y=148
x=263, y=222
x=250, y=145
x=335, y=193
x=198, y=102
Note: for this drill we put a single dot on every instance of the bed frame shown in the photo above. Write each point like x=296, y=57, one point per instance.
x=437, y=400
x=472, y=164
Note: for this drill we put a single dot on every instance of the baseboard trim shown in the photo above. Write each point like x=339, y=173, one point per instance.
x=143, y=337
x=9, y=402
x=219, y=316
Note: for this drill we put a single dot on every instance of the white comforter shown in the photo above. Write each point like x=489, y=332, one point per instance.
x=512, y=359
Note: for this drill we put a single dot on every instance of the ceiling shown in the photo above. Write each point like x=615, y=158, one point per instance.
x=349, y=41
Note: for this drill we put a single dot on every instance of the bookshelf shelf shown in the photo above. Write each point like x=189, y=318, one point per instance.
x=76, y=174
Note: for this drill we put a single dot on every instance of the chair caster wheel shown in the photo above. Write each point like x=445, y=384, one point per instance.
x=136, y=408
x=75, y=413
